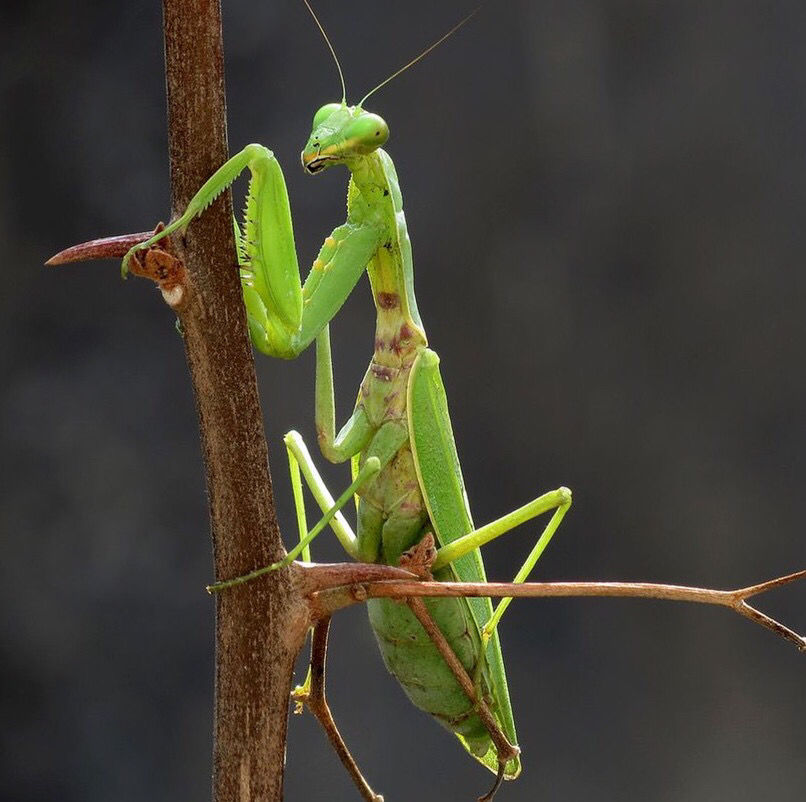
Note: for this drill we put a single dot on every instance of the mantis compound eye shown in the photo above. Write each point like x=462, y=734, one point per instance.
x=367, y=132
x=324, y=113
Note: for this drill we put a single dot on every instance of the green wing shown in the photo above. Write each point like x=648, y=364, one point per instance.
x=443, y=488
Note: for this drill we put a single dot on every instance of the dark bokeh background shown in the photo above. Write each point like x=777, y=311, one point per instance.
x=606, y=201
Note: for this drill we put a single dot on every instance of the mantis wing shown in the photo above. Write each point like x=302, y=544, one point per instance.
x=443, y=488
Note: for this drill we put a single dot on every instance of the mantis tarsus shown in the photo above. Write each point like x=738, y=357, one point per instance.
x=406, y=471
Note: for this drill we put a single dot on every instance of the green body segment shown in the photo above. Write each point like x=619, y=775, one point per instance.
x=395, y=510
x=410, y=655
x=440, y=476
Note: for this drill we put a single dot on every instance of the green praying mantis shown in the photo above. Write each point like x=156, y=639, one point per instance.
x=406, y=473
x=406, y=476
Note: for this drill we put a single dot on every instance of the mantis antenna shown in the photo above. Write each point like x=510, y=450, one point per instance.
x=423, y=54
x=333, y=52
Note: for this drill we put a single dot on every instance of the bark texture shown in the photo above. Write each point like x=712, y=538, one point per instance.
x=259, y=628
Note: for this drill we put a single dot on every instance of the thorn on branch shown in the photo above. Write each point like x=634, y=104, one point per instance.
x=158, y=263
x=106, y=248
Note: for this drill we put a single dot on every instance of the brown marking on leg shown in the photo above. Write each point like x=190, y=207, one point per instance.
x=506, y=750
x=317, y=704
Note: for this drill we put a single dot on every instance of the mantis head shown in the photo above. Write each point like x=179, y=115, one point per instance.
x=340, y=134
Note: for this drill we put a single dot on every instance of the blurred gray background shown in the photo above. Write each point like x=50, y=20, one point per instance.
x=606, y=202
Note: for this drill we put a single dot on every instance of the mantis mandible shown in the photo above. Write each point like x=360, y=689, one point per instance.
x=406, y=472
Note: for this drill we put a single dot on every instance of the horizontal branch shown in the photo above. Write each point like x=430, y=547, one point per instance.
x=363, y=585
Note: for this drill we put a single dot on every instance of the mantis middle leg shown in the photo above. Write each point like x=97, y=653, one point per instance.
x=298, y=457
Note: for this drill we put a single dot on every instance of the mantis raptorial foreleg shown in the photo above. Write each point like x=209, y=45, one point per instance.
x=284, y=315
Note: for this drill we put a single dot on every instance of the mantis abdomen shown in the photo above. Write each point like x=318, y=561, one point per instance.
x=410, y=655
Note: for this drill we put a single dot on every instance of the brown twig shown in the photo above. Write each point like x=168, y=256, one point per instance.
x=329, y=597
x=259, y=631
x=506, y=750
x=159, y=263
x=317, y=704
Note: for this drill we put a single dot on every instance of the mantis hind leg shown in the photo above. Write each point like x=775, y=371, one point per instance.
x=313, y=694
x=529, y=564
x=557, y=500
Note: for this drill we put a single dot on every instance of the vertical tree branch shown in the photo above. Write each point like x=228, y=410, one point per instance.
x=259, y=629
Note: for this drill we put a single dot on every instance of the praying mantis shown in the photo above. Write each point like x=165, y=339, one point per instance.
x=406, y=473
x=400, y=429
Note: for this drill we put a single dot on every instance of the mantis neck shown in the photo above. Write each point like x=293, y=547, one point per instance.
x=374, y=195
